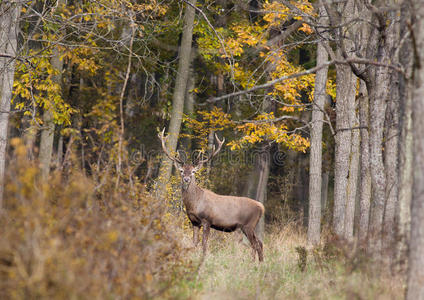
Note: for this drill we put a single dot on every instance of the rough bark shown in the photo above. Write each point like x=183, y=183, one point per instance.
x=315, y=158
x=415, y=289
x=324, y=191
x=403, y=217
x=378, y=179
x=391, y=167
x=365, y=176
x=378, y=91
x=352, y=180
x=178, y=97
x=47, y=133
x=345, y=104
x=9, y=16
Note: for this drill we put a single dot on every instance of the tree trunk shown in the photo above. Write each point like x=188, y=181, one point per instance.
x=377, y=86
x=9, y=21
x=324, y=192
x=415, y=289
x=263, y=164
x=47, y=133
x=59, y=156
x=315, y=159
x=345, y=105
x=378, y=179
x=403, y=217
x=391, y=166
x=365, y=181
x=352, y=180
x=30, y=136
x=189, y=102
x=178, y=98
x=256, y=185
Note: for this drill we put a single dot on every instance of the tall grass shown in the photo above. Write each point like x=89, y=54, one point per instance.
x=228, y=272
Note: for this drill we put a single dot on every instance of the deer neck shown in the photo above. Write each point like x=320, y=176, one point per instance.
x=189, y=188
x=191, y=193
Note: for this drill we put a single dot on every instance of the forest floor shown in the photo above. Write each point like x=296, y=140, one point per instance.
x=228, y=271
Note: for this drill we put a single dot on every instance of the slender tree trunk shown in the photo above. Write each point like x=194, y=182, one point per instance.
x=189, y=101
x=263, y=165
x=365, y=186
x=345, y=105
x=352, y=181
x=258, y=179
x=256, y=185
x=378, y=93
x=59, y=157
x=377, y=112
x=391, y=166
x=403, y=216
x=324, y=191
x=30, y=136
x=415, y=289
x=391, y=147
x=129, y=33
x=178, y=97
x=9, y=20
x=47, y=133
x=315, y=159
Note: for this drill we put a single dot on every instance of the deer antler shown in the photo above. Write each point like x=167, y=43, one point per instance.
x=171, y=157
x=214, y=151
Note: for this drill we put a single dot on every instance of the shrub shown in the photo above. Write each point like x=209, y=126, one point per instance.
x=75, y=238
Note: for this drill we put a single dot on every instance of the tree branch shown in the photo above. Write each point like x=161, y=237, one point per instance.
x=307, y=72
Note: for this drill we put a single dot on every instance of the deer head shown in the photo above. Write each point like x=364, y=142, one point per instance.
x=188, y=170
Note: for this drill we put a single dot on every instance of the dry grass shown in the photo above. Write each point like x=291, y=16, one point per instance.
x=229, y=273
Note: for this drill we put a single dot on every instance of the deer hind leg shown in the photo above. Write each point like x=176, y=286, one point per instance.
x=195, y=235
x=250, y=234
x=259, y=248
x=206, y=230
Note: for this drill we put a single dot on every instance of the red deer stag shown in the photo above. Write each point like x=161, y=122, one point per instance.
x=207, y=209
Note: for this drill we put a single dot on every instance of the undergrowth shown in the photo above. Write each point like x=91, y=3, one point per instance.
x=73, y=238
x=326, y=272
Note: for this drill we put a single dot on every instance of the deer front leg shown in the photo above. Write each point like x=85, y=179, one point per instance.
x=206, y=230
x=196, y=235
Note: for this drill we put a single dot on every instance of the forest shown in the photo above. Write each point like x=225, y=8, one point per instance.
x=132, y=130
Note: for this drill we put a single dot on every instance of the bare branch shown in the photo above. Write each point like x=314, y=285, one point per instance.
x=307, y=72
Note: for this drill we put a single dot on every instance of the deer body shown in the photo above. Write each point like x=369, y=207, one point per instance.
x=209, y=210
x=224, y=213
